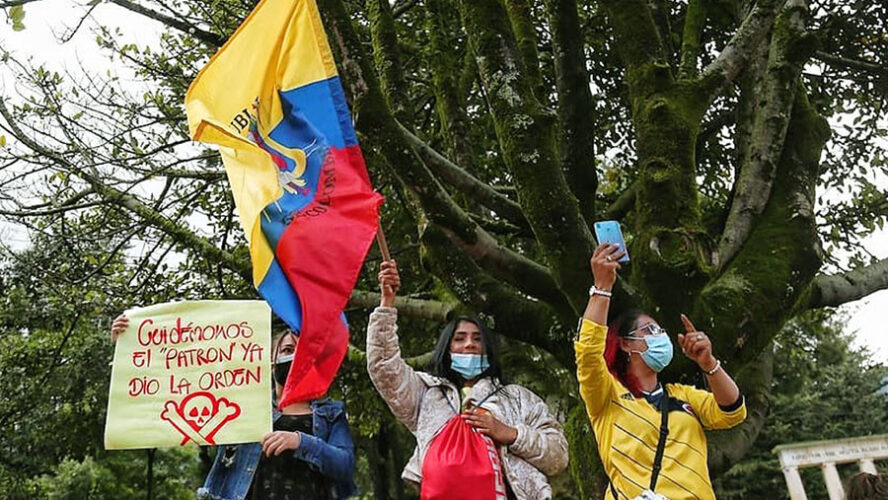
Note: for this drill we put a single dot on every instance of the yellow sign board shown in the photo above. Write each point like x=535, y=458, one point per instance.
x=191, y=372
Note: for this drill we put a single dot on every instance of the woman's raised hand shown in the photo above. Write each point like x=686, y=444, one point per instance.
x=696, y=345
x=605, y=266
x=389, y=282
x=118, y=326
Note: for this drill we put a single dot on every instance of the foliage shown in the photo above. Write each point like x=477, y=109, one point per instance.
x=720, y=133
x=823, y=389
x=54, y=371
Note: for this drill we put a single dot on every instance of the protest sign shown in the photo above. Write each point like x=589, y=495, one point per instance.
x=191, y=372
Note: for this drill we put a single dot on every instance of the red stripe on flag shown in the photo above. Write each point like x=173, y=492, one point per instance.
x=322, y=252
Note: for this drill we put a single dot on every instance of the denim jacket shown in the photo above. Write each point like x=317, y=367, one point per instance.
x=330, y=450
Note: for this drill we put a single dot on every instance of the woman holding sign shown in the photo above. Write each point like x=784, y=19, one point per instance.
x=308, y=455
x=477, y=439
x=650, y=435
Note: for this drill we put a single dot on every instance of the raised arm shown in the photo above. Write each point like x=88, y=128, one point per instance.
x=697, y=346
x=397, y=383
x=596, y=383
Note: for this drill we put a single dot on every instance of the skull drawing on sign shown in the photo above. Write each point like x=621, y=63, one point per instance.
x=198, y=408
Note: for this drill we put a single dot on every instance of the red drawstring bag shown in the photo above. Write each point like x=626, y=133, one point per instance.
x=462, y=463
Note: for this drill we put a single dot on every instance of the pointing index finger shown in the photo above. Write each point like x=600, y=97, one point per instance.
x=689, y=327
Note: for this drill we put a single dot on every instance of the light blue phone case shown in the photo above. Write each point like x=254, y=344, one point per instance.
x=608, y=231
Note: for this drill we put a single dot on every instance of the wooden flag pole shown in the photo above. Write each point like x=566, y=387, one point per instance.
x=383, y=245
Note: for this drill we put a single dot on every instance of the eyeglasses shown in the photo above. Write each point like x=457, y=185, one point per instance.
x=653, y=328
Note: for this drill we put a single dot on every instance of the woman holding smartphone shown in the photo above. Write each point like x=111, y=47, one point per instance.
x=650, y=435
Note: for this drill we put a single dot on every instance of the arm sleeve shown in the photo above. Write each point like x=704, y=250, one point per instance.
x=396, y=381
x=711, y=415
x=540, y=439
x=334, y=458
x=596, y=382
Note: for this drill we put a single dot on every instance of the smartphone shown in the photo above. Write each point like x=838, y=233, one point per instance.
x=608, y=231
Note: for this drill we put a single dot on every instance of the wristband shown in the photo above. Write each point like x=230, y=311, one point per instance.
x=598, y=291
x=718, y=365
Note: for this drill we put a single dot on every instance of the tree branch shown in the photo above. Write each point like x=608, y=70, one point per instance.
x=623, y=204
x=387, y=58
x=193, y=174
x=450, y=96
x=757, y=291
x=576, y=109
x=420, y=362
x=786, y=59
x=436, y=204
x=467, y=183
x=837, y=289
x=856, y=64
x=207, y=37
x=525, y=134
x=638, y=39
x=131, y=203
x=14, y=3
x=695, y=21
x=526, y=38
x=415, y=308
x=402, y=7
x=735, y=55
x=514, y=315
x=727, y=447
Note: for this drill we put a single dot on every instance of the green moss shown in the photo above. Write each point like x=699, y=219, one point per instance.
x=387, y=58
x=779, y=258
x=695, y=21
x=670, y=267
x=585, y=465
x=526, y=133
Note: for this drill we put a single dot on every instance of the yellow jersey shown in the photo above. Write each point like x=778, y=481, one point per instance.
x=627, y=428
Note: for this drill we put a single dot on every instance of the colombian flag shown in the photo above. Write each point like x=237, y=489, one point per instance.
x=272, y=101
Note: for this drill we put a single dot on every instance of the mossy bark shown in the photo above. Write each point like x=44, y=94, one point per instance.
x=670, y=261
x=585, y=465
x=446, y=64
x=525, y=35
x=757, y=293
x=387, y=59
x=526, y=137
x=576, y=108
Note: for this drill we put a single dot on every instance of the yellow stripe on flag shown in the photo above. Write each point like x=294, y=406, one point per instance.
x=280, y=46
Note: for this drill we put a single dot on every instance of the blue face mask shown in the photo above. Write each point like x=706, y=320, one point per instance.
x=659, y=350
x=469, y=366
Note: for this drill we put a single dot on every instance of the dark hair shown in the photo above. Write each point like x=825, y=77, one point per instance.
x=440, y=363
x=617, y=359
x=865, y=486
x=277, y=339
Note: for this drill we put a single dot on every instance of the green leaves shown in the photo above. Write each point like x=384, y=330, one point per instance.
x=15, y=15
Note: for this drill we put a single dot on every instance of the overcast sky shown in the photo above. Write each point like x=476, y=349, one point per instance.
x=47, y=19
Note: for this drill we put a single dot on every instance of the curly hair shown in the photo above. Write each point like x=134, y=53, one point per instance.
x=865, y=486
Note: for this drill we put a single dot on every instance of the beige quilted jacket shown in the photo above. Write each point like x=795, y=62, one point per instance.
x=418, y=401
